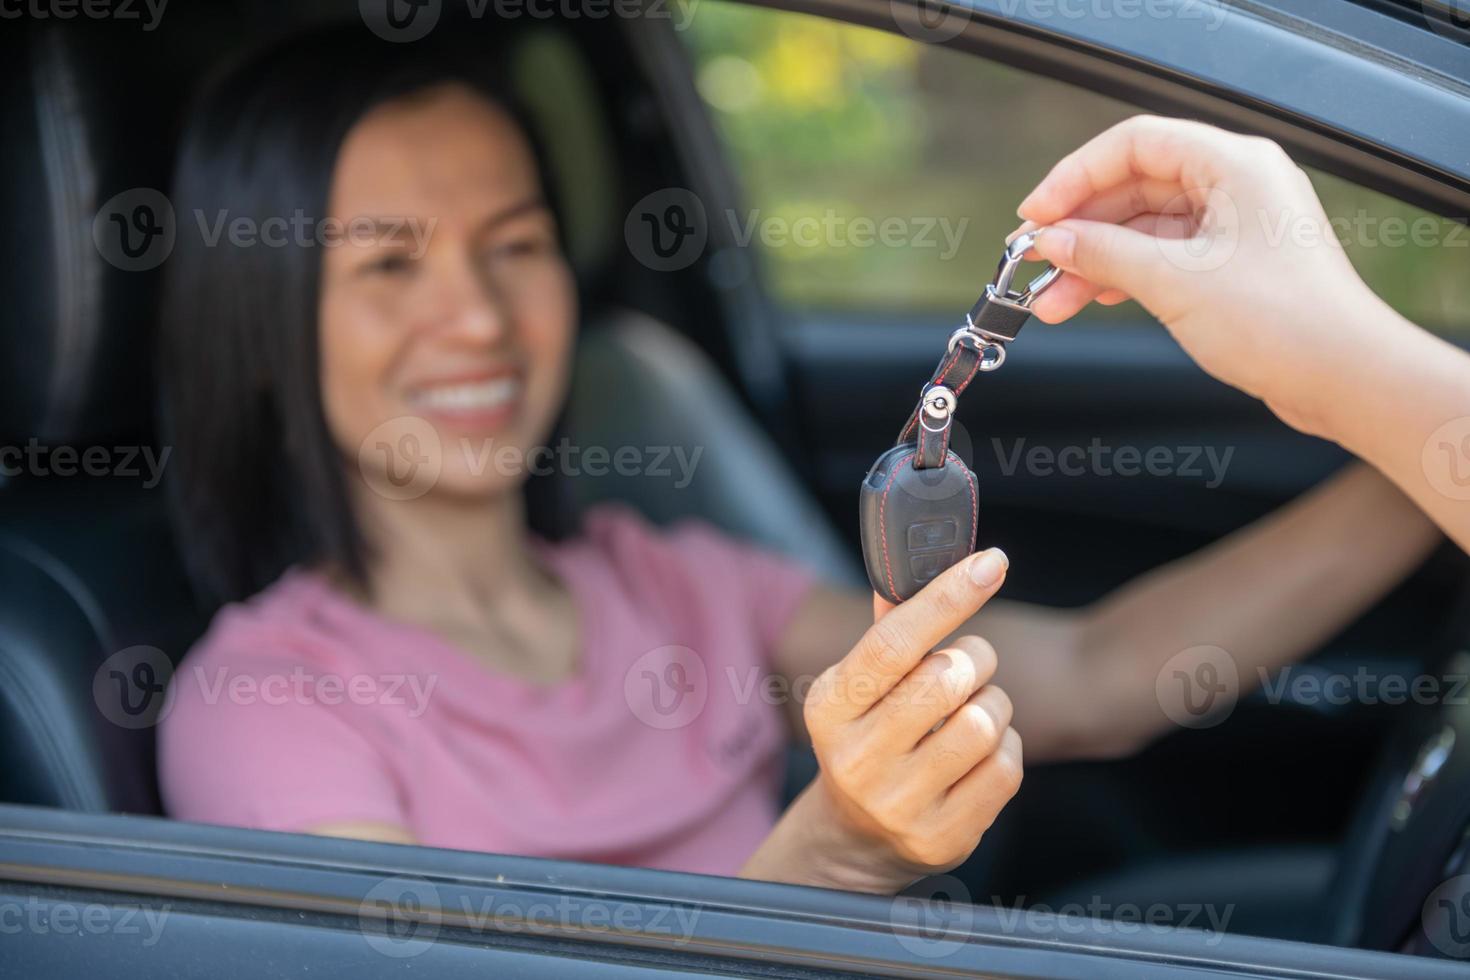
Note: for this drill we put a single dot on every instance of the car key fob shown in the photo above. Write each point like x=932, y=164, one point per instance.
x=915, y=522
x=920, y=504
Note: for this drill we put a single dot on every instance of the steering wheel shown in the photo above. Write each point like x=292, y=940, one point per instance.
x=1404, y=883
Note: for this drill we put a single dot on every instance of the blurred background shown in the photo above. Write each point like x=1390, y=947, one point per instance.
x=822, y=117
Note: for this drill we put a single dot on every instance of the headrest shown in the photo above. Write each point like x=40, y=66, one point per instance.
x=87, y=131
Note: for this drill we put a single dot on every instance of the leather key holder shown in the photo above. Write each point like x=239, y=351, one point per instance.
x=920, y=504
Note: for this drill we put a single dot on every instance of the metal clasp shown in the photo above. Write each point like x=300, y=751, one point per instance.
x=999, y=290
x=990, y=346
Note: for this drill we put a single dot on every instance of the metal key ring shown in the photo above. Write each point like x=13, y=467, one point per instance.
x=992, y=355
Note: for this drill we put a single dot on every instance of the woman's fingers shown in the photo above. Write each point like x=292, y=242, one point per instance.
x=940, y=685
x=1174, y=151
x=896, y=643
x=1143, y=195
x=1065, y=298
x=1073, y=291
x=989, y=786
x=967, y=737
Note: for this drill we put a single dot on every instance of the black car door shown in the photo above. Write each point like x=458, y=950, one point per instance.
x=122, y=896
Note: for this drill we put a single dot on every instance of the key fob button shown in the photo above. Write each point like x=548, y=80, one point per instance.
x=933, y=534
x=928, y=565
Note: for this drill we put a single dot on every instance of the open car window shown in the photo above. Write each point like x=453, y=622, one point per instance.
x=830, y=129
x=878, y=170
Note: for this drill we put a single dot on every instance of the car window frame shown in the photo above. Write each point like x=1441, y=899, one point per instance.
x=300, y=882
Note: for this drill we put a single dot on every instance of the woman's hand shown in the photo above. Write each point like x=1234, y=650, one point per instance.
x=1222, y=238
x=916, y=750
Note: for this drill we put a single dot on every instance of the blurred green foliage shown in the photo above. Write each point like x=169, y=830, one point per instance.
x=835, y=123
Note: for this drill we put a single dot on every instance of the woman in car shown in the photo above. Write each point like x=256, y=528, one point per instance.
x=404, y=660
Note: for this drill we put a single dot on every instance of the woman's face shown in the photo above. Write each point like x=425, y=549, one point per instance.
x=447, y=310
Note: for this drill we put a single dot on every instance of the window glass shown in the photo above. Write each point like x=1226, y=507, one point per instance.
x=1416, y=260
x=881, y=173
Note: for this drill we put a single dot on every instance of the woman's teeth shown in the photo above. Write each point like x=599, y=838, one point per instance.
x=468, y=397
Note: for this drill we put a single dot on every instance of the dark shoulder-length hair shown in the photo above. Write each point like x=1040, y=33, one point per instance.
x=258, y=484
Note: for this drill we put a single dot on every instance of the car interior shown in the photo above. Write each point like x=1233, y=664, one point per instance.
x=793, y=377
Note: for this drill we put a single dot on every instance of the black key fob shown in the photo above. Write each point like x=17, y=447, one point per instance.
x=920, y=502
x=915, y=522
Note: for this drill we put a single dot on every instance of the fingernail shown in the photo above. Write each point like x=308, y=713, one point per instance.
x=989, y=567
x=1056, y=244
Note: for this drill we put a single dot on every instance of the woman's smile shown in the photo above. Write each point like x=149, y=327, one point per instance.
x=482, y=402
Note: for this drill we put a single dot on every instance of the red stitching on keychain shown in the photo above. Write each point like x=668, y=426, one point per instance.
x=974, y=500
x=926, y=436
x=883, y=519
x=959, y=389
x=940, y=378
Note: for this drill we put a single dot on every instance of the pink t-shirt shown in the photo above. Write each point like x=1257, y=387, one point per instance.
x=301, y=706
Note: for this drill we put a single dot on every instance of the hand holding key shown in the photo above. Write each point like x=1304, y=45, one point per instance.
x=916, y=750
x=1222, y=238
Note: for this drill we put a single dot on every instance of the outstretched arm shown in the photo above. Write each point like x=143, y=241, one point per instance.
x=1183, y=217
